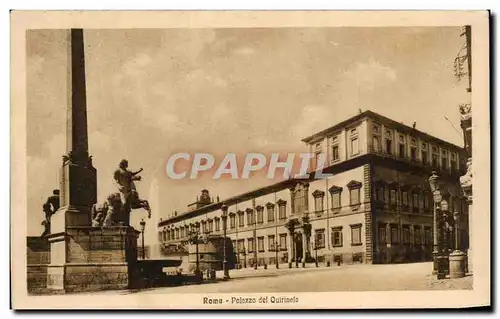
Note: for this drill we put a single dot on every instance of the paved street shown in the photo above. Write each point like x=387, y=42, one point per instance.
x=344, y=278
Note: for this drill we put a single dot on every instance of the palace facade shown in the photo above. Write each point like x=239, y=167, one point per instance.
x=376, y=207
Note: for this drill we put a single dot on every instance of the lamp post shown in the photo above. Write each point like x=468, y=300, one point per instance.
x=224, y=226
x=433, y=182
x=194, y=239
x=445, y=229
x=143, y=228
x=442, y=258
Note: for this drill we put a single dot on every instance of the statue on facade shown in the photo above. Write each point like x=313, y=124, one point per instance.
x=50, y=207
x=465, y=111
x=466, y=180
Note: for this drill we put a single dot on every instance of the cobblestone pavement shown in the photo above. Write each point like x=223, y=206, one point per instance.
x=344, y=278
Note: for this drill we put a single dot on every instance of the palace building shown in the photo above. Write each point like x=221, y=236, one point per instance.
x=376, y=207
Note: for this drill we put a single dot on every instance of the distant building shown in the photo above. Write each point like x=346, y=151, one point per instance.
x=376, y=207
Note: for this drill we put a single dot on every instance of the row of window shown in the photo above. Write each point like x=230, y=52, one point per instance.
x=448, y=159
x=418, y=152
x=335, y=145
x=208, y=226
x=354, y=188
x=251, y=220
x=392, y=236
x=281, y=245
x=414, y=199
x=424, y=154
x=386, y=235
x=300, y=205
x=337, y=237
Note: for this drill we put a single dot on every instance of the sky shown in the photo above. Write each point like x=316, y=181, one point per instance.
x=154, y=92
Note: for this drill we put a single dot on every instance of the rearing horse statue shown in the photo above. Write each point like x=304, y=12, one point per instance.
x=118, y=205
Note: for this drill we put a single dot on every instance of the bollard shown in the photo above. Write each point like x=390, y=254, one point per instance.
x=457, y=264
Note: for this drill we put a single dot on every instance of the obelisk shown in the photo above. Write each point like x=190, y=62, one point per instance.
x=78, y=182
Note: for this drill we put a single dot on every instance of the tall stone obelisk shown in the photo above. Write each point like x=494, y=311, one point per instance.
x=78, y=177
x=78, y=181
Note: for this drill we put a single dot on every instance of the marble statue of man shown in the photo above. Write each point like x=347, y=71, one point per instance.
x=125, y=182
x=50, y=207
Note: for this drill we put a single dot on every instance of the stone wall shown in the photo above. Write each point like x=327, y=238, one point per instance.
x=38, y=250
x=38, y=257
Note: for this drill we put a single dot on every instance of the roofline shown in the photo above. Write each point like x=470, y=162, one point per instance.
x=377, y=116
x=332, y=169
x=235, y=199
x=335, y=127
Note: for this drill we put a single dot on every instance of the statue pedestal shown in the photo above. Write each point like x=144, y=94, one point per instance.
x=84, y=258
x=458, y=261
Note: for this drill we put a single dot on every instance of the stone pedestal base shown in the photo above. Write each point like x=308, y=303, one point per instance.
x=457, y=264
x=88, y=277
x=90, y=259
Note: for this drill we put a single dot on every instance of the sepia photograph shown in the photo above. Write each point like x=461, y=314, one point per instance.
x=232, y=160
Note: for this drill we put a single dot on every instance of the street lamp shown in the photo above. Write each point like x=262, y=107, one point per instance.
x=442, y=259
x=224, y=226
x=194, y=239
x=143, y=228
x=436, y=192
x=446, y=229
